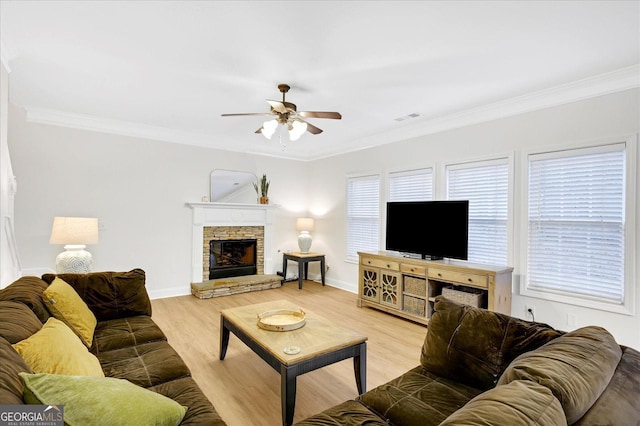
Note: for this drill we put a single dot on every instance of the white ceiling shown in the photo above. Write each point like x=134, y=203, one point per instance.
x=167, y=69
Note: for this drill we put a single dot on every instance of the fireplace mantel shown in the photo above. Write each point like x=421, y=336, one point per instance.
x=230, y=214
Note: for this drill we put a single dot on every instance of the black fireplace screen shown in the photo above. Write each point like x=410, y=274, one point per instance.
x=232, y=258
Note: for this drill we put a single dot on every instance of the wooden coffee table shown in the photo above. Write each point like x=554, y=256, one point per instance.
x=321, y=341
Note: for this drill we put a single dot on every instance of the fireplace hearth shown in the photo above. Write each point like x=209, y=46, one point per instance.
x=232, y=258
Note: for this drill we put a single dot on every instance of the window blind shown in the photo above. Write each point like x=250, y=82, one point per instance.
x=363, y=215
x=413, y=185
x=486, y=186
x=576, y=217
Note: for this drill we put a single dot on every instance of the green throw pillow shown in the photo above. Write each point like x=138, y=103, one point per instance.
x=101, y=400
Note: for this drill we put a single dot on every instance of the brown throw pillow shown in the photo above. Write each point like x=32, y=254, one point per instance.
x=17, y=321
x=28, y=290
x=474, y=346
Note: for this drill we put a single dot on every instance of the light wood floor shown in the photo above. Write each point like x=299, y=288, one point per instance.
x=245, y=390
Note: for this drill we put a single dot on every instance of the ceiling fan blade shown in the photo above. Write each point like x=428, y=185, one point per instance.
x=246, y=113
x=320, y=114
x=277, y=106
x=311, y=128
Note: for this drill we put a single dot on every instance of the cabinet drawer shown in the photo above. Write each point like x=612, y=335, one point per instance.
x=459, y=277
x=413, y=269
x=379, y=263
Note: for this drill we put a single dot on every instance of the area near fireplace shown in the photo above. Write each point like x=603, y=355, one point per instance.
x=240, y=225
x=232, y=258
x=231, y=251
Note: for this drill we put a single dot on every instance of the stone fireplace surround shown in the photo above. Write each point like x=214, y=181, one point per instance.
x=232, y=216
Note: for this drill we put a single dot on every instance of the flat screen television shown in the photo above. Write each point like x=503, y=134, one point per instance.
x=432, y=229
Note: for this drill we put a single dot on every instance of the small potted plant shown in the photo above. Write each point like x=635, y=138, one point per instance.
x=262, y=189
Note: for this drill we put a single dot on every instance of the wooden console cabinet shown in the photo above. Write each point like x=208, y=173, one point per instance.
x=407, y=287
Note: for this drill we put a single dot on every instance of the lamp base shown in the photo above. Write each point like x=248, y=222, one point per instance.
x=75, y=260
x=304, y=241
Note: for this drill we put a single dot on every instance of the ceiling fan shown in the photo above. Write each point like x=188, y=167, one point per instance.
x=286, y=114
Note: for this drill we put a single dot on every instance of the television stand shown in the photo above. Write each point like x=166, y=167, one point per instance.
x=407, y=287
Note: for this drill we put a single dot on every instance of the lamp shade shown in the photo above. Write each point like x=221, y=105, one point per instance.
x=304, y=224
x=74, y=230
x=269, y=128
x=297, y=129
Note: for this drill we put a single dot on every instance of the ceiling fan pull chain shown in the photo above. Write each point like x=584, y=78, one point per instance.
x=283, y=145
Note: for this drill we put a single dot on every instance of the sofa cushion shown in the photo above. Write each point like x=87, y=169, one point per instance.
x=28, y=290
x=349, y=413
x=100, y=401
x=186, y=392
x=521, y=403
x=617, y=405
x=110, y=295
x=56, y=349
x=144, y=365
x=474, y=346
x=576, y=367
x=64, y=304
x=123, y=332
x=17, y=321
x=418, y=397
x=11, y=387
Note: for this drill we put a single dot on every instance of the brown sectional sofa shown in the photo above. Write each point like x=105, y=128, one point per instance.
x=128, y=344
x=483, y=368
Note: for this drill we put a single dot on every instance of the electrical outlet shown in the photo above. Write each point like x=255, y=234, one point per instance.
x=530, y=312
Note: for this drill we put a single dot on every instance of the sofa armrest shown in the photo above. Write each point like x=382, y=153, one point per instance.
x=620, y=401
x=110, y=295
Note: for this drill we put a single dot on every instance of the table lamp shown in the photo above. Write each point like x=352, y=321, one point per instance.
x=74, y=233
x=304, y=225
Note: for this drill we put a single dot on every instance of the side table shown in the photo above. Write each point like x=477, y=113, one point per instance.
x=303, y=260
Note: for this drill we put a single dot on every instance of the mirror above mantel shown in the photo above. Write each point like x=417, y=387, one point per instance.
x=232, y=186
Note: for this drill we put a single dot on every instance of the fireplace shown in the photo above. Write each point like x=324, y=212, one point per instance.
x=220, y=221
x=232, y=258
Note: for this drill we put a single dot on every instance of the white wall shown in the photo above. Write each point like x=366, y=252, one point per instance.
x=137, y=189
x=9, y=261
x=598, y=118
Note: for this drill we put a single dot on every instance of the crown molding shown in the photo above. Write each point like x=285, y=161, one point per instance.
x=118, y=127
x=603, y=84
x=130, y=129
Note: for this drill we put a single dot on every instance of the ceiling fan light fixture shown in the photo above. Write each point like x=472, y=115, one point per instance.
x=287, y=115
x=297, y=129
x=269, y=128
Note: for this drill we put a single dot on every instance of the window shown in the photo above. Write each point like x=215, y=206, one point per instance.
x=576, y=223
x=363, y=215
x=412, y=185
x=486, y=185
